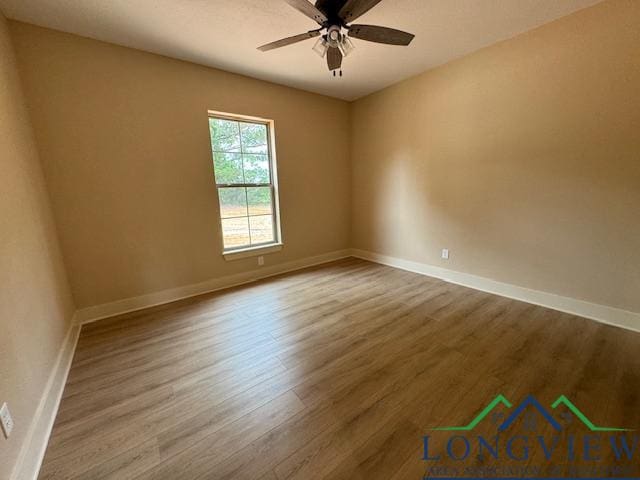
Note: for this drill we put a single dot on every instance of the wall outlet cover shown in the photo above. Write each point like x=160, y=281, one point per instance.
x=5, y=420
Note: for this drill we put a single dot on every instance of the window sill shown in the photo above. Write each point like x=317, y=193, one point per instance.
x=252, y=251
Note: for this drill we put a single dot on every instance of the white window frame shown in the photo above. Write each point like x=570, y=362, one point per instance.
x=263, y=248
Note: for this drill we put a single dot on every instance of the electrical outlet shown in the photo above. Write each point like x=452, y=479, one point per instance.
x=261, y=260
x=5, y=420
x=445, y=253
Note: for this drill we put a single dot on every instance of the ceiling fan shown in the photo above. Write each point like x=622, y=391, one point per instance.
x=334, y=16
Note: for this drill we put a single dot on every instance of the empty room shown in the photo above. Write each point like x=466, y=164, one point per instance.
x=332, y=239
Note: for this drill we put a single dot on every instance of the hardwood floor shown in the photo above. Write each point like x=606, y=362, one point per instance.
x=331, y=372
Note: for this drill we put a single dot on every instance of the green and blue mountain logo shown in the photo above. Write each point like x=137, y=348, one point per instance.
x=531, y=401
x=603, y=452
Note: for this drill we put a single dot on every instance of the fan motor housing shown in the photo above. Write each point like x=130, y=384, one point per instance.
x=331, y=8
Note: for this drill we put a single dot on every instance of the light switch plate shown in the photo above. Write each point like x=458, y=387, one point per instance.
x=261, y=260
x=445, y=253
x=5, y=420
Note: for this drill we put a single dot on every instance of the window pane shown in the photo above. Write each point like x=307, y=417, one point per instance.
x=235, y=232
x=259, y=199
x=225, y=135
x=256, y=168
x=228, y=167
x=233, y=202
x=241, y=155
x=261, y=229
x=254, y=138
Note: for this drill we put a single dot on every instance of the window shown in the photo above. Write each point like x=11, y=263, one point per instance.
x=246, y=181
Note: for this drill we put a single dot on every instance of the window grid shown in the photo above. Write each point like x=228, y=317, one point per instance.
x=244, y=180
x=253, y=217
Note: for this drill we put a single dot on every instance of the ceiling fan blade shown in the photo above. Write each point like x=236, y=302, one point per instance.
x=309, y=10
x=373, y=33
x=289, y=40
x=356, y=8
x=334, y=58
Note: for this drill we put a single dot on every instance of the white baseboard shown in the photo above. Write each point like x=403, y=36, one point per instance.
x=32, y=453
x=98, y=312
x=601, y=313
x=593, y=311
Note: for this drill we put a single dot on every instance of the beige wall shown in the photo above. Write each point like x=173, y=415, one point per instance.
x=523, y=159
x=35, y=304
x=126, y=153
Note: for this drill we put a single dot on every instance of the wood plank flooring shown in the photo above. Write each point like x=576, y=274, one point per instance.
x=331, y=372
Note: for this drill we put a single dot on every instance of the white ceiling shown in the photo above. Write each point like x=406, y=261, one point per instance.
x=225, y=33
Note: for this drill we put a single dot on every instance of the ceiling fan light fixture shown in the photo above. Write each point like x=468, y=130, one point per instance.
x=334, y=37
x=321, y=47
x=346, y=46
x=335, y=17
